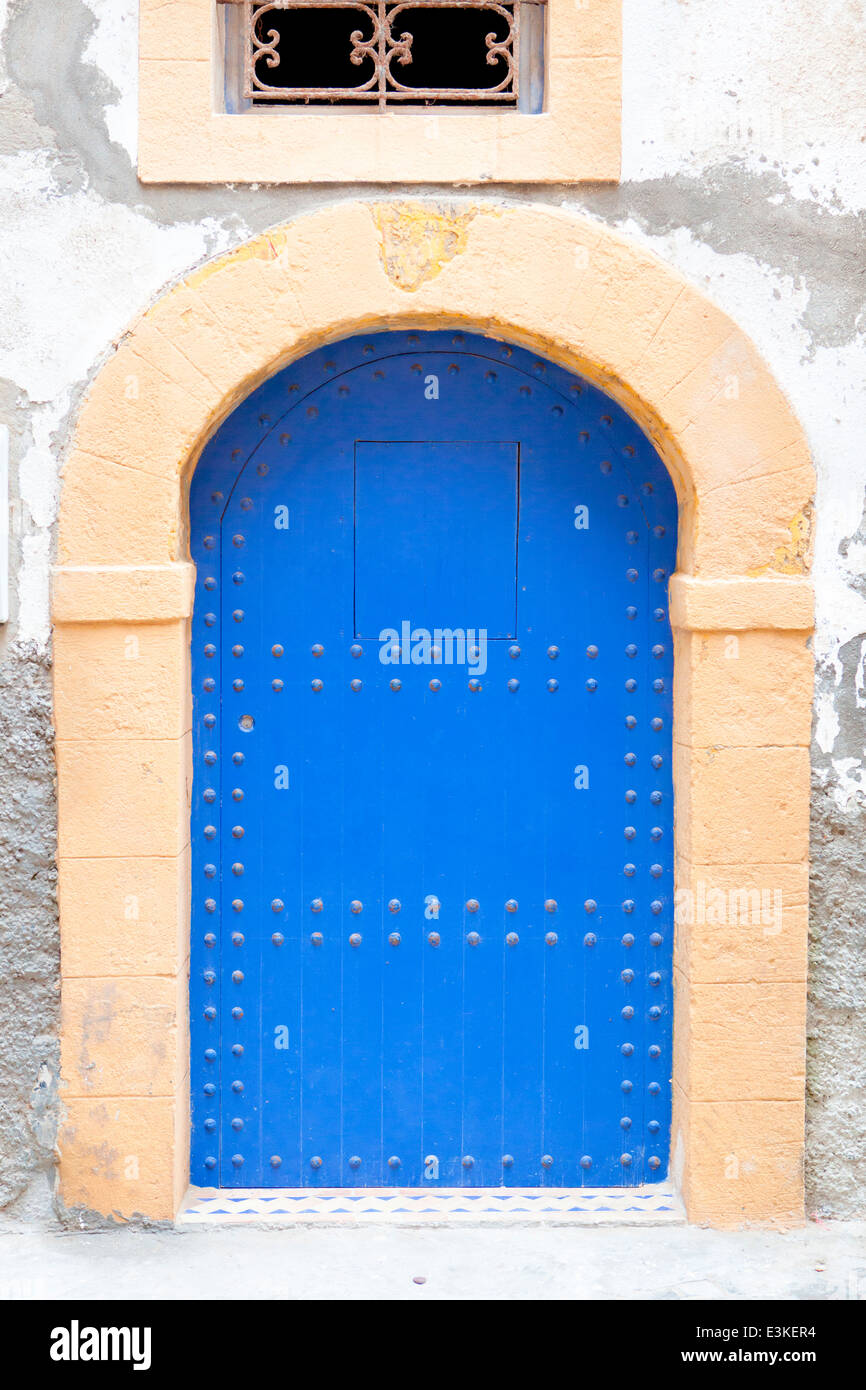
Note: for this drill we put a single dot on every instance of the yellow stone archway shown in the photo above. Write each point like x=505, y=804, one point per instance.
x=741, y=608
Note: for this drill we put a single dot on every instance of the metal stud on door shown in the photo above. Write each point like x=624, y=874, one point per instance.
x=432, y=804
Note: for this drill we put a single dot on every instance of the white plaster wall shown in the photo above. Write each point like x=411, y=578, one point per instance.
x=774, y=82
x=90, y=266
x=778, y=85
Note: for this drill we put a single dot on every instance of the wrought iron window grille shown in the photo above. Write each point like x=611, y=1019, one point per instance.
x=385, y=53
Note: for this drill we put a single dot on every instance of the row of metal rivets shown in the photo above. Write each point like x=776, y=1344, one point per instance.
x=575, y=389
x=474, y=939
x=277, y=905
x=627, y=1011
x=474, y=684
x=468, y=1161
x=539, y=366
x=209, y=685
x=209, y=796
x=394, y=904
x=434, y=938
x=592, y=651
x=210, y=758
x=378, y=374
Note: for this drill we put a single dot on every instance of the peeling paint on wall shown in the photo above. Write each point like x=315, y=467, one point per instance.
x=794, y=556
x=417, y=240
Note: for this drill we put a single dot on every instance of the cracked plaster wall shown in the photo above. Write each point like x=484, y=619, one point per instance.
x=744, y=167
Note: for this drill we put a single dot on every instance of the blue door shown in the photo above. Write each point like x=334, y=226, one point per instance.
x=432, y=804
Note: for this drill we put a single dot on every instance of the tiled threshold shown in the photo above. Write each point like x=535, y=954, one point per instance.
x=637, y=1206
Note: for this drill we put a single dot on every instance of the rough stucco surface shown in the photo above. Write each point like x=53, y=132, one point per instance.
x=744, y=166
x=28, y=935
x=838, y=1001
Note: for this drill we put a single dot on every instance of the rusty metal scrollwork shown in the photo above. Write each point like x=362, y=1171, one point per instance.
x=382, y=47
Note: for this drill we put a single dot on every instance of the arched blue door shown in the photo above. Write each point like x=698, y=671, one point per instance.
x=432, y=803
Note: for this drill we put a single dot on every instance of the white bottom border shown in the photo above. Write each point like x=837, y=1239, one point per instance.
x=656, y=1205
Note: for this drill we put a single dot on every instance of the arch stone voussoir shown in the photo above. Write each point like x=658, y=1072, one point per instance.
x=595, y=302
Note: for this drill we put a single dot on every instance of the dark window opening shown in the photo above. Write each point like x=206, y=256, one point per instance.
x=437, y=53
x=379, y=54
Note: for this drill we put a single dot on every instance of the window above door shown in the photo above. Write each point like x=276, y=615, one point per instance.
x=380, y=53
x=385, y=91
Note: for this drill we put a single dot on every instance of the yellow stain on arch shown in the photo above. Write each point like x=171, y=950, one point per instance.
x=269, y=246
x=416, y=240
x=793, y=556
